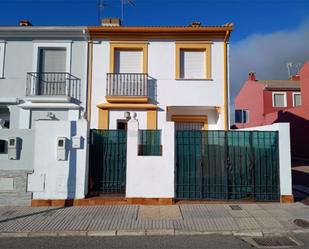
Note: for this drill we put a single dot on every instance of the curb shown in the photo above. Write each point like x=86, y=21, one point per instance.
x=163, y=232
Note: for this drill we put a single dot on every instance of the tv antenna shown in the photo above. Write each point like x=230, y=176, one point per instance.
x=293, y=68
x=123, y=2
x=101, y=5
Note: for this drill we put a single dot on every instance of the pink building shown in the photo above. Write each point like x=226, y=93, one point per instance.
x=262, y=102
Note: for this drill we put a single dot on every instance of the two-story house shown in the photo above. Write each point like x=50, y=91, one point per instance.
x=158, y=76
x=258, y=99
x=43, y=76
x=163, y=74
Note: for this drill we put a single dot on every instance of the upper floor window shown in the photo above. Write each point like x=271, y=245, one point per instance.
x=2, y=51
x=128, y=61
x=193, y=61
x=279, y=99
x=128, y=57
x=242, y=116
x=296, y=99
x=52, y=57
x=52, y=60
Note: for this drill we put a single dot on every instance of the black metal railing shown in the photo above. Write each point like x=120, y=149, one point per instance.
x=127, y=84
x=53, y=84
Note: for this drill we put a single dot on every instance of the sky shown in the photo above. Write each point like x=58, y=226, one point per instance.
x=268, y=33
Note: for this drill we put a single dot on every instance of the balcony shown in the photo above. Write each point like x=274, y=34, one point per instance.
x=127, y=88
x=53, y=84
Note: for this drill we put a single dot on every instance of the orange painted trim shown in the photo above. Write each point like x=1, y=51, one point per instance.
x=108, y=106
x=113, y=46
x=191, y=46
x=103, y=201
x=287, y=199
x=126, y=99
x=103, y=119
x=159, y=32
x=152, y=119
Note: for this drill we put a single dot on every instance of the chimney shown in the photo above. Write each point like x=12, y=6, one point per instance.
x=111, y=22
x=252, y=76
x=195, y=24
x=295, y=77
x=25, y=23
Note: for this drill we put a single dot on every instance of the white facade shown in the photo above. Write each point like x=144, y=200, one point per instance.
x=203, y=96
x=39, y=100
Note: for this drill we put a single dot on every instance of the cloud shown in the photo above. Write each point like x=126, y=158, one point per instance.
x=267, y=55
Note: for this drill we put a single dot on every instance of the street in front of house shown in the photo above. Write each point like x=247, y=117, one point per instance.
x=121, y=220
x=147, y=226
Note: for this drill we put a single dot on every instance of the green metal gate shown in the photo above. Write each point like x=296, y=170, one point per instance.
x=107, y=161
x=227, y=165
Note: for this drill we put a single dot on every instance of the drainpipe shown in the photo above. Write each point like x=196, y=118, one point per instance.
x=89, y=74
x=226, y=80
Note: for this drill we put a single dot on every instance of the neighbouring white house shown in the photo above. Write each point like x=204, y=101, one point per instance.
x=43, y=76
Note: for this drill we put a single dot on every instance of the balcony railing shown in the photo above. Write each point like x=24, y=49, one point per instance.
x=127, y=84
x=53, y=84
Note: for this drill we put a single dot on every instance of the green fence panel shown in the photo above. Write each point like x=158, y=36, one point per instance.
x=149, y=143
x=107, y=161
x=227, y=165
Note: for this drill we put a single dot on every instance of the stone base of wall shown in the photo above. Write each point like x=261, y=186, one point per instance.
x=13, y=187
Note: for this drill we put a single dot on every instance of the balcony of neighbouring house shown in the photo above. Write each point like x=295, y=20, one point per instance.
x=52, y=87
x=127, y=88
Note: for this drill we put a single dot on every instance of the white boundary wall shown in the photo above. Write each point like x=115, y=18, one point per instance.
x=150, y=176
x=53, y=179
x=284, y=154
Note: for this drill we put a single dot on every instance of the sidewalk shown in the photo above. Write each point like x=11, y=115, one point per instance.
x=240, y=219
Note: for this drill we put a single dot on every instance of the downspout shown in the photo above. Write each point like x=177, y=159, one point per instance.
x=89, y=78
x=226, y=91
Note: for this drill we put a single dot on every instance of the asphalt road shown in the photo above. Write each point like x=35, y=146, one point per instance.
x=179, y=242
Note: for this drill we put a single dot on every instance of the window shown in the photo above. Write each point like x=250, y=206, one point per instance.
x=3, y=146
x=128, y=57
x=2, y=50
x=52, y=57
x=193, y=61
x=296, y=99
x=183, y=126
x=122, y=124
x=4, y=117
x=279, y=99
x=192, y=64
x=242, y=116
x=52, y=60
x=128, y=61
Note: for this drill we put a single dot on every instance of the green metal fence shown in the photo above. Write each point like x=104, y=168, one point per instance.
x=107, y=161
x=149, y=143
x=227, y=165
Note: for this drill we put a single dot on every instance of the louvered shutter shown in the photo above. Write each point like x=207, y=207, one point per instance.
x=128, y=61
x=53, y=60
x=192, y=64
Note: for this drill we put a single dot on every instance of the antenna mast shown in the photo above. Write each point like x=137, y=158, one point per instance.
x=101, y=5
x=123, y=2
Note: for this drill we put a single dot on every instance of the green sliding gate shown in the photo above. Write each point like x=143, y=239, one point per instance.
x=107, y=161
x=227, y=165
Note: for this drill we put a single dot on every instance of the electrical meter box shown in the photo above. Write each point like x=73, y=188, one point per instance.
x=61, y=149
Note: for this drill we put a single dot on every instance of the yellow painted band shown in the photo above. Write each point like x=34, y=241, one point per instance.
x=152, y=119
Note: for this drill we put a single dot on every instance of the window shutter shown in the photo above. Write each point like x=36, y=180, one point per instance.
x=129, y=61
x=53, y=60
x=192, y=64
